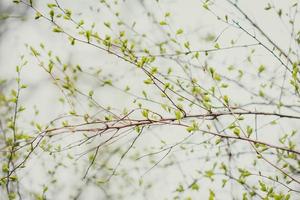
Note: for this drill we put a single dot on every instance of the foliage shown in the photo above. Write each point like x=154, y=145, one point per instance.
x=149, y=108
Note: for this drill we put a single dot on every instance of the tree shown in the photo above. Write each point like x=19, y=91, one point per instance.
x=154, y=100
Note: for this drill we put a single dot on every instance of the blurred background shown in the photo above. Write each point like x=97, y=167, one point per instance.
x=252, y=87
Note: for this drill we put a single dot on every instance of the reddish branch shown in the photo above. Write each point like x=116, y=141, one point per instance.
x=129, y=123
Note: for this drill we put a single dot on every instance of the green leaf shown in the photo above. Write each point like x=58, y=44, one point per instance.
x=38, y=127
x=187, y=45
x=79, y=68
x=263, y=186
x=12, y=195
x=138, y=129
x=226, y=18
x=21, y=109
x=72, y=112
x=57, y=30
x=236, y=131
x=163, y=23
x=5, y=167
x=244, y=173
x=51, y=5
x=154, y=70
x=261, y=93
x=38, y=15
x=195, y=186
x=180, y=188
x=34, y=52
x=179, y=31
x=226, y=99
x=205, y=5
x=209, y=174
x=148, y=81
x=91, y=93
x=107, y=24
x=269, y=6
x=217, y=77
x=107, y=82
x=211, y=195
x=218, y=141
x=145, y=94
x=88, y=35
x=249, y=131
x=51, y=13
x=145, y=113
x=193, y=127
x=23, y=86
x=72, y=40
x=178, y=114
x=261, y=68
x=224, y=181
